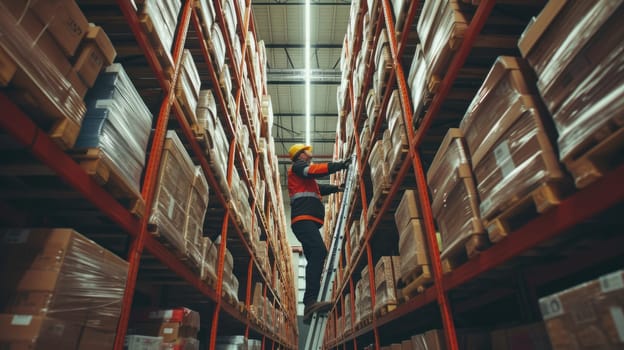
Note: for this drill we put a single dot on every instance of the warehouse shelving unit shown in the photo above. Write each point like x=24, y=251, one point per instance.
x=143, y=248
x=558, y=232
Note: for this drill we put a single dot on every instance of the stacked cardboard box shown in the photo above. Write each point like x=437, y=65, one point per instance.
x=363, y=301
x=379, y=173
x=348, y=325
x=59, y=289
x=395, y=137
x=51, y=56
x=509, y=140
x=412, y=242
x=441, y=27
x=267, y=117
x=196, y=212
x=163, y=15
x=354, y=238
x=383, y=64
x=386, y=278
x=237, y=342
x=209, y=260
x=454, y=199
x=142, y=342
x=188, y=85
x=119, y=124
x=173, y=191
x=217, y=148
x=177, y=327
x=575, y=49
x=587, y=316
x=230, y=281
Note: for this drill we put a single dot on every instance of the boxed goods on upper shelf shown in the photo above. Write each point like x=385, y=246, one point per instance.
x=160, y=20
x=510, y=143
x=196, y=212
x=58, y=284
x=575, y=49
x=118, y=123
x=454, y=198
x=178, y=327
x=187, y=87
x=386, y=279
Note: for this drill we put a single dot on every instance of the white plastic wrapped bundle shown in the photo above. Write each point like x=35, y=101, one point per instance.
x=217, y=46
x=118, y=123
x=196, y=212
x=209, y=260
x=164, y=18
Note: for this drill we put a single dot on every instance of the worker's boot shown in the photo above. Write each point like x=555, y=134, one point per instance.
x=318, y=307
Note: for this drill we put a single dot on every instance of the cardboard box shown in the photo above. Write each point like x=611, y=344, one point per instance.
x=412, y=247
x=64, y=20
x=37, y=333
x=95, y=53
x=588, y=316
x=96, y=339
x=407, y=209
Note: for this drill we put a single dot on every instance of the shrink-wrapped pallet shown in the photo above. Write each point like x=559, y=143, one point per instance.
x=412, y=250
x=163, y=16
x=188, y=85
x=354, y=238
x=348, y=325
x=407, y=209
x=178, y=327
x=217, y=46
x=118, y=123
x=575, y=49
x=61, y=274
x=173, y=191
x=386, y=279
x=587, y=316
x=509, y=139
x=455, y=203
x=209, y=260
x=196, y=212
x=207, y=15
x=441, y=27
x=417, y=81
x=379, y=172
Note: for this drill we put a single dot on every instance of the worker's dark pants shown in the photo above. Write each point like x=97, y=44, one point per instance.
x=307, y=232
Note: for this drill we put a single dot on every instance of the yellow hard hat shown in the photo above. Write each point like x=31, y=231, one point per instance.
x=298, y=148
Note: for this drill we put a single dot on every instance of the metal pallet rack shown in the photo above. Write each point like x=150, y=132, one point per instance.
x=601, y=200
x=141, y=244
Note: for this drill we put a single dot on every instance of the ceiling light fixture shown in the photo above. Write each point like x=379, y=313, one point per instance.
x=308, y=102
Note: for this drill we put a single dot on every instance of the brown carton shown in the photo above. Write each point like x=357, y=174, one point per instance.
x=27, y=332
x=525, y=337
x=95, y=53
x=407, y=210
x=64, y=20
x=588, y=316
x=96, y=339
x=412, y=248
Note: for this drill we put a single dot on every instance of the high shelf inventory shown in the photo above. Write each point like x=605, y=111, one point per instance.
x=205, y=132
x=422, y=84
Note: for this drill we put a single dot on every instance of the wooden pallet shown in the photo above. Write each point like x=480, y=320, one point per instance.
x=546, y=196
x=598, y=154
x=364, y=322
x=417, y=281
x=97, y=165
x=470, y=246
x=446, y=56
x=384, y=309
x=163, y=54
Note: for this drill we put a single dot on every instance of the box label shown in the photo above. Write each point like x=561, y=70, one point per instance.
x=21, y=320
x=551, y=307
x=503, y=158
x=15, y=237
x=168, y=330
x=611, y=282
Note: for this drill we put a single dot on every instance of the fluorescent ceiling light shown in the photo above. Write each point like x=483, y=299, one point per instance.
x=307, y=73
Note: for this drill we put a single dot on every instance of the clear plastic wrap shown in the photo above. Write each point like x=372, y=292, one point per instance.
x=514, y=158
x=450, y=24
x=206, y=111
x=348, y=326
x=354, y=236
x=207, y=12
x=51, y=87
x=412, y=248
x=217, y=46
x=142, y=342
x=364, y=301
x=37, y=333
x=164, y=18
x=188, y=84
x=231, y=21
x=455, y=203
x=62, y=275
x=182, y=344
x=586, y=316
x=196, y=211
x=407, y=209
x=385, y=283
x=209, y=260
x=173, y=191
x=379, y=172
x=507, y=80
x=117, y=122
x=417, y=82
x=267, y=116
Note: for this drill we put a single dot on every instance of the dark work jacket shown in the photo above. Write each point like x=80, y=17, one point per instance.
x=305, y=193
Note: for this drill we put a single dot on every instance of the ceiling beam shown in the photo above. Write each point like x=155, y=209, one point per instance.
x=302, y=46
x=297, y=76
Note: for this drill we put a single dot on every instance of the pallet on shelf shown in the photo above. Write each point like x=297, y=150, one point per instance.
x=416, y=281
x=97, y=165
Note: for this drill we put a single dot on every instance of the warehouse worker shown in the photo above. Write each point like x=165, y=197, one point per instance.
x=307, y=216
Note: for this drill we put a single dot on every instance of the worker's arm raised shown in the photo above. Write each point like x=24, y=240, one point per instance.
x=308, y=170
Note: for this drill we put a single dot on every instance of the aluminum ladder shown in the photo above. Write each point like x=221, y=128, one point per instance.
x=316, y=332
